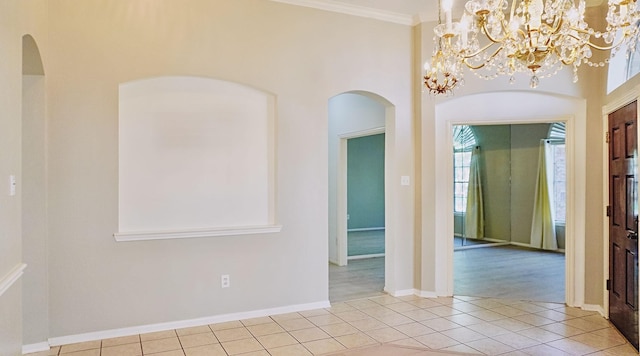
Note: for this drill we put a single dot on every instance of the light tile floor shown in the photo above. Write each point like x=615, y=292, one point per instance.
x=459, y=324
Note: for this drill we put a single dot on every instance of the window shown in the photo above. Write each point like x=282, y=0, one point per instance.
x=463, y=143
x=557, y=142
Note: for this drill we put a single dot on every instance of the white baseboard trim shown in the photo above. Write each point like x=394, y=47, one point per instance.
x=426, y=294
x=366, y=229
x=143, y=329
x=595, y=308
x=31, y=348
x=362, y=257
x=11, y=277
x=521, y=244
x=493, y=244
x=400, y=293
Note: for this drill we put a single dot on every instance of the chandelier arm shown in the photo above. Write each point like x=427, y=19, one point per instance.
x=486, y=33
x=595, y=46
x=465, y=57
x=466, y=62
x=470, y=66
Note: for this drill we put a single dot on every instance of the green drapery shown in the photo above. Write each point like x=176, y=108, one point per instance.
x=474, y=216
x=543, y=229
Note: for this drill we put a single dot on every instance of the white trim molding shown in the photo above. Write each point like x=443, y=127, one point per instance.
x=366, y=229
x=354, y=10
x=191, y=233
x=363, y=257
x=595, y=308
x=143, y=329
x=10, y=278
x=31, y=348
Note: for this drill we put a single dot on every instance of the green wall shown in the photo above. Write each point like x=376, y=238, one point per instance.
x=365, y=182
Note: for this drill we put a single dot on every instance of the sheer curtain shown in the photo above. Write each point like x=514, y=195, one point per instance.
x=474, y=216
x=543, y=229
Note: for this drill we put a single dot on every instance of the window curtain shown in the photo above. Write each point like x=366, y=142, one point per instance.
x=543, y=229
x=474, y=216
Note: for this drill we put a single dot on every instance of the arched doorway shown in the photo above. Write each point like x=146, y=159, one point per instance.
x=357, y=115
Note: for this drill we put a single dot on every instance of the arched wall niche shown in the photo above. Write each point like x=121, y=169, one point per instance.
x=196, y=159
x=515, y=107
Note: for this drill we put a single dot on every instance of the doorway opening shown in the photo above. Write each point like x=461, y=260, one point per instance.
x=358, y=233
x=510, y=211
x=517, y=107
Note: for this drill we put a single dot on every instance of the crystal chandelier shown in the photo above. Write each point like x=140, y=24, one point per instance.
x=439, y=75
x=498, y=37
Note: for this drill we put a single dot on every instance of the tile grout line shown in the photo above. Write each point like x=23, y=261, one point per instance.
x=365, y=307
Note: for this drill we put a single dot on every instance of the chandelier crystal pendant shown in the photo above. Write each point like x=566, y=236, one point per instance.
x=540, y=37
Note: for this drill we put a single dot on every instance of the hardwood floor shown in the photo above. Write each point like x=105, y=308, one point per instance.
x=506, y=272
x=510, y=272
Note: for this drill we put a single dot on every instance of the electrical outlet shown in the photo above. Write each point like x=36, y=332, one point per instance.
x=225, y=281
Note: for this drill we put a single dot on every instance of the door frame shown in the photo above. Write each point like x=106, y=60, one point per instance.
x=341, y=204
x=521, y=107
x=632, y=95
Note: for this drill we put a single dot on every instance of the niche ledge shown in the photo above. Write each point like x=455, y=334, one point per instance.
x=191, y=233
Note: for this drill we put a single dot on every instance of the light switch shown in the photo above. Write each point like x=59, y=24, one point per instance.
x=12, y=185
x=404, y=180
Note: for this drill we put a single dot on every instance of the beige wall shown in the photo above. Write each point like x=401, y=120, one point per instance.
x=302, y=56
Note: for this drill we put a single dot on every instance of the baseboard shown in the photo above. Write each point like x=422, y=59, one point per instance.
x=366, y=229
x=143, y=329
x=31, y=348
x=595, y=308
x=400, y=293
x=521, y=244
x=362, y=257
x=426, y=294
x=493, y=244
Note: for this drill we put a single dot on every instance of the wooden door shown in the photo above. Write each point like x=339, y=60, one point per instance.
x=623, y=222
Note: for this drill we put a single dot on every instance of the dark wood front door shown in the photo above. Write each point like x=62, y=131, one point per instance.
x=623, y=222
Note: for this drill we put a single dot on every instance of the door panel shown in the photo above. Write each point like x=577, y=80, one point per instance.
x=623, y=222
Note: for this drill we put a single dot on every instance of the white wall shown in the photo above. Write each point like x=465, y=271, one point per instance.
x=302, y=56
x=34, y=211
x=16, y=19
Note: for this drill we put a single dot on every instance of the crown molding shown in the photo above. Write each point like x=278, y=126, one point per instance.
x=355, y=10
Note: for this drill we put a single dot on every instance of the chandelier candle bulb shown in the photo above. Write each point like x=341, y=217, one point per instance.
x=535, y=14
x=448, y=4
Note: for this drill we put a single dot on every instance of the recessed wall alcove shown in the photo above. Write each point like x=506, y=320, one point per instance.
x=196, y=159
